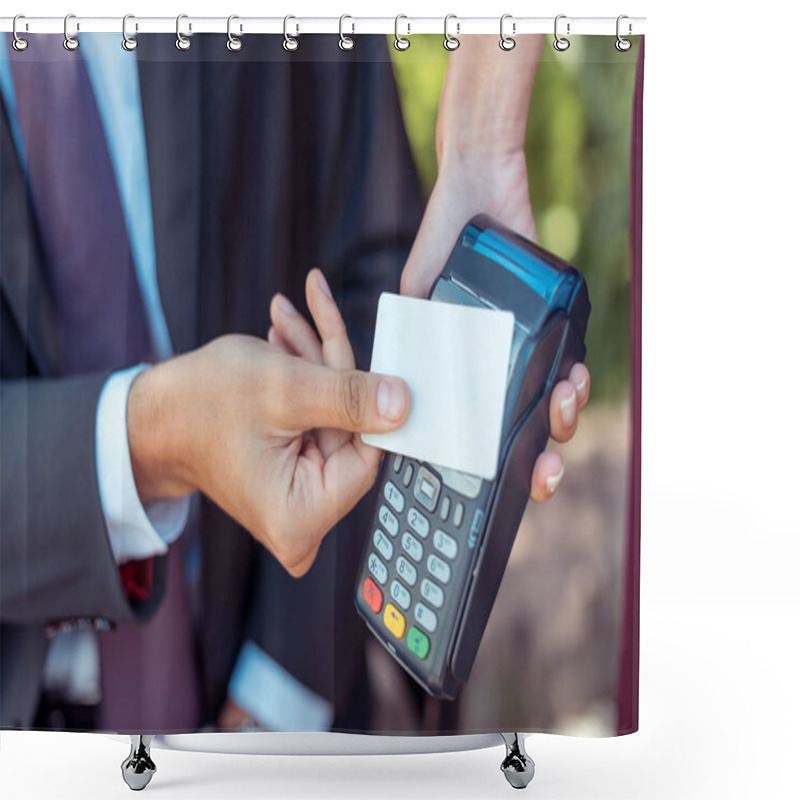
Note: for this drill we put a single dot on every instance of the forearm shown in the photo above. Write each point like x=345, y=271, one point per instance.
x=485, y=98
x=480, y=146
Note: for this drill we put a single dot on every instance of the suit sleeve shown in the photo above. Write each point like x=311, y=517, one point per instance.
x=369, y=206
x=56, y=561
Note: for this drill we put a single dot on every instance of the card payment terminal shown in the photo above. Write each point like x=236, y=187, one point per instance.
x=440, y=539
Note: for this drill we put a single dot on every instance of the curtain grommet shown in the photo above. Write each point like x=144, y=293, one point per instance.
x=507, y=42
x=234, y=43
x=622, y=44
x=18, y=43
x=560, y=43
x=451, y=42
x=346, y=43
x=129, y=43
x=290, y=43
x=71, y=43
x=181, y=42
x=401, y=43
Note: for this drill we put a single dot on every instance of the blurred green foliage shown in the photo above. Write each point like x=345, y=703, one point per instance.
x=578, y=152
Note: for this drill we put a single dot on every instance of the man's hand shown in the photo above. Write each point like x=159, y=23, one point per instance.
x=267, y=436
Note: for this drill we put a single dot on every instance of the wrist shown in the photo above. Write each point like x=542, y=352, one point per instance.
x=479, y=140
x=154, y=434
x=495, y=183
x=489, y=161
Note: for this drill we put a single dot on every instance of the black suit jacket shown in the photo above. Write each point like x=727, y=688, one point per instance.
x=262, y=165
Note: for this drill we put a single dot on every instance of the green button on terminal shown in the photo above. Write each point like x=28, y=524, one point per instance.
x=418, y=643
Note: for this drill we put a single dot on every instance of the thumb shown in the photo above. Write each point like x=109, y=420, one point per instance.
x=315, y=396
x=427, y=257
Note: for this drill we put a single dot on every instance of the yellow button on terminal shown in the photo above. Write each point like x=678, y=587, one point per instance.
x=394, y=620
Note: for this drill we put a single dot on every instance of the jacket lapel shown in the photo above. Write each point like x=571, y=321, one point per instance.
x=171, y=107
x=21, y=266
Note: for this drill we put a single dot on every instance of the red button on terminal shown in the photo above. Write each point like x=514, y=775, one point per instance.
x=373, y=595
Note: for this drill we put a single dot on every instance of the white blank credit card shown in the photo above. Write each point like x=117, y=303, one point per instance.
x=455, y=361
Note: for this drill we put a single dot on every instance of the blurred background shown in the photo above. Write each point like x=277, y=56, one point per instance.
x=549, y=655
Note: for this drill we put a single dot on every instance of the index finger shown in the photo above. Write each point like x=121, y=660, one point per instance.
x=336, y=349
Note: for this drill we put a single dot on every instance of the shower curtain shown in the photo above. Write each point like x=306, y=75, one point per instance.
x=178, y=227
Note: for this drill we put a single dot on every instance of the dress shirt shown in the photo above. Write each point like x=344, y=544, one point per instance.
x=135, y=532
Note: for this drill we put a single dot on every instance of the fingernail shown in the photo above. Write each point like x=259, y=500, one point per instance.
x=581, y=388
x=551, y=484
x=568, y=410
x=323, y=284
x=391, y=400
x=286, y=307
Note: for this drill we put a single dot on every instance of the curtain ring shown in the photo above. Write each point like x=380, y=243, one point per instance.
x=128, y=42
x=451, y=42
x=507, y=42
x=622, y=44
x=560, y=42
x=181, y=42
x=400, y=42
x=19, y=44
x=70, y=42
x=289, y=42
x=346, y=42
x=234, y=44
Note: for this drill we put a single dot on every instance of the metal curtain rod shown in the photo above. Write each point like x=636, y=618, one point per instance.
x=514, y=26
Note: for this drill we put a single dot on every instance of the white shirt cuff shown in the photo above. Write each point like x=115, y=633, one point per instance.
x=273, y=696
x=135, y=532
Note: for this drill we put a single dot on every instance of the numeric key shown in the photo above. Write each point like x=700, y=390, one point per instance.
x=406, y=570
x=425, y=617
x=445, y=544
x=400, y=595
x=378, y=568
x=394, y=497
x=418, y=522
x=383, y=545
x=412, y=547
x=432, y=593
x=439, y=569
x=388, y=520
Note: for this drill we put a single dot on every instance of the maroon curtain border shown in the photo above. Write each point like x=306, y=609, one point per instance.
x=628, y=677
